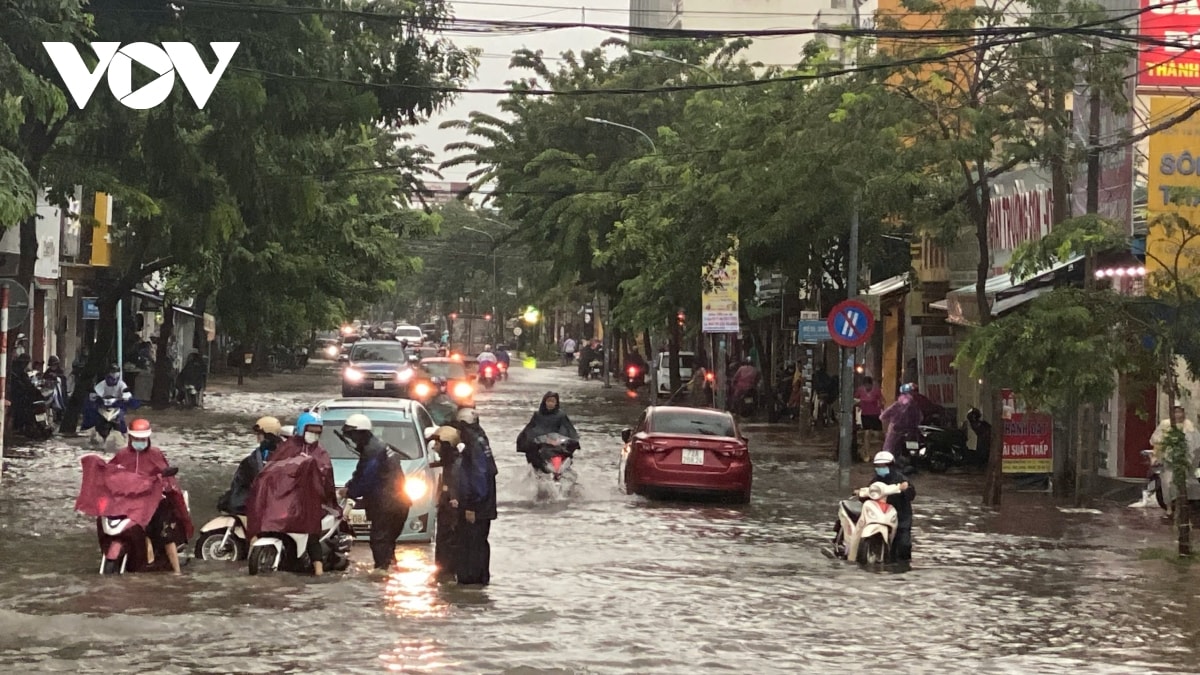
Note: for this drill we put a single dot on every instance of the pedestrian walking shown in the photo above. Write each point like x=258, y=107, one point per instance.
x=870, y=403
x=476, y=500
x=568, y=350
x=379, y=481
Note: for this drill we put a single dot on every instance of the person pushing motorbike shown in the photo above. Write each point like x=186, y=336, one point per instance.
x=378, y=480
x=171, y=525
x=269, y=433
x=549, y=419
x=887, y=473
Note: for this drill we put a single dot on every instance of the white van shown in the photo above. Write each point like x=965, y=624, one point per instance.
x=413, y=334
x=686, y=361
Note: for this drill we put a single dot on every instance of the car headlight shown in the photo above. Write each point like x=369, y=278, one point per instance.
x=422, y=389
x=463, y=390
x=404, y=375
x=353, y=375
x=331, y=351
x=415, y=488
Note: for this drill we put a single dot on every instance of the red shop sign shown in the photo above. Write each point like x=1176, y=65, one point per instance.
x=1173, y=66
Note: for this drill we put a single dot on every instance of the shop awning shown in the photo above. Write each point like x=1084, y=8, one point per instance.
x=156, y=302
x=1004, y=294
x=896, y=284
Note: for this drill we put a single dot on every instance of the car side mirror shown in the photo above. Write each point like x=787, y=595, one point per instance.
x=343, y=358
x=626, y=434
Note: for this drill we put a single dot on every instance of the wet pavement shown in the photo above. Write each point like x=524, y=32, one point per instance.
x=599, y=582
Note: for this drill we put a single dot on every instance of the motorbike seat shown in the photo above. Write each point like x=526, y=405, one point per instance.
x=853, y=509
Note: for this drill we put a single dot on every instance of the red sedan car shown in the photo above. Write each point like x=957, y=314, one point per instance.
x=686, y=451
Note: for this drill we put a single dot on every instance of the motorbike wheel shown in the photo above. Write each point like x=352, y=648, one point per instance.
x=111, y=567
x=208, y=547
x=488, y=384
x=872, y=550
x=262, y=560
x=939, y=464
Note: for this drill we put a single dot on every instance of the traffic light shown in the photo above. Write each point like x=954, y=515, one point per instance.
x=681, y=317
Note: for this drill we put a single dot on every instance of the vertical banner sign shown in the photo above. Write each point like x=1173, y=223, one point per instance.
x=936, y=376
x=101, y=256
x=1174, y=66
x=1172, y=166
x=720, y=314
x=1028, y=437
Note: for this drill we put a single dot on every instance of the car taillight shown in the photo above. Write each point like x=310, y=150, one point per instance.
x=633, y=371
x=732, y=451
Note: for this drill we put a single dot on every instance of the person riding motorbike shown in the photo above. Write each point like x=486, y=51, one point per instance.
x=902, y=419
x=503, y=357
x=887, y=473
x=269, y=432
x=487, y=356
x=378, y=480
x=305, y=442
x=112, y=386
x=549, y=419
x=745, y=381
x=168, y=526
x=194, y=373
x=22, y=394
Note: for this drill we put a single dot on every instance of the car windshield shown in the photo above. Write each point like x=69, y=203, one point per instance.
x=682, y=422
x=385, y=353
x=398, y=432
x=448, y=370
x=685, y=361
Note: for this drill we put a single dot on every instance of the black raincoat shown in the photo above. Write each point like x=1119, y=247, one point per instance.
x=902, y=546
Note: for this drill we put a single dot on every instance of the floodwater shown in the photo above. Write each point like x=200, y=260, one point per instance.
x=600, y=582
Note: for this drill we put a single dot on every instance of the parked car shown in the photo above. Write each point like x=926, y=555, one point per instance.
x=404, y=424
x=413, y=334
x=376, y=368
x=686, y=361
x=688, y=452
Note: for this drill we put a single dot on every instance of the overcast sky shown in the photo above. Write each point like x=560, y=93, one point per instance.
x=493, y=63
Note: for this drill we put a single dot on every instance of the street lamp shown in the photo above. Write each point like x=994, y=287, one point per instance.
x=649, y=140
x=495, y=285
x=658, y=54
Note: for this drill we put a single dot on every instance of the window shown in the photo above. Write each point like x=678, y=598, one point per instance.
x=684, y=422
x=385, y=353
x=445, y=370
x=686, y=361
x=399, y=432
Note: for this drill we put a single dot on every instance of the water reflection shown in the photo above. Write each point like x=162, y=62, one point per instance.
x=410, y=590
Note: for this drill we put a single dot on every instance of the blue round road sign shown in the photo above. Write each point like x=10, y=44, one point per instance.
x=851, y=323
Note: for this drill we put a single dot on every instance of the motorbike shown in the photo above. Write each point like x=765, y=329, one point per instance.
x=223, y=538
x=287, y=551
x=556, y=453
x=635, y=378
x=487, y=375
x=110, y=416
x=123, y=542
x=53, y=388
x=192, y=396
x=596, y=367
x=503, y=370
x=867, y=524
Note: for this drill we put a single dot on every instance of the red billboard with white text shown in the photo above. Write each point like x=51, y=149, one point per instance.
x=1178, y=65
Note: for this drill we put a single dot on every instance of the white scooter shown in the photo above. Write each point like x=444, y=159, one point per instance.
x=867, y=525
x=110, y=410
x=286, y=551
x=223, y=538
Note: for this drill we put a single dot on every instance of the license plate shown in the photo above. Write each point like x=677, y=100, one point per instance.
x=41, y=417
x=380, y=385
x=358, y=517
x=693, y=457
x=912, y=445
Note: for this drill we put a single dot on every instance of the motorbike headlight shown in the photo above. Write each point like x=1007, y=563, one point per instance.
x=463, y=390
x=415, y=488
x=874, y=492
x=353, y=375
x=422, y=389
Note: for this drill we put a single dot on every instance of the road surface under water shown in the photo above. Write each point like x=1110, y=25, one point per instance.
x=600, y=582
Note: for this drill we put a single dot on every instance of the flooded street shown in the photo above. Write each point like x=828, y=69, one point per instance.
x=600, y=582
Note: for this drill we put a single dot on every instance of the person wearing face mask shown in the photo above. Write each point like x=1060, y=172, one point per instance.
x=887, y=473
x=171, y=525
x=306, y=441
x=269, y=433
x=378, y=480
x=549, y=419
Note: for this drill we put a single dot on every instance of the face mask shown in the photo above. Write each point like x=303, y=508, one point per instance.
x=140, y=445
x=881, y=471
x=311, y=437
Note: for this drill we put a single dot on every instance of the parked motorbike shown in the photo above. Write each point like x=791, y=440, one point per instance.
x=867, y=524
x=287, y=551
x=54, y=391
x=487, y=375
x=192, y=396
x=123, y=541
x=635, y=378
x=223, y=538
x=941, y=448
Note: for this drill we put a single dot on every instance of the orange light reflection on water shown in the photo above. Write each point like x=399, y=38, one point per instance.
x=410, y=592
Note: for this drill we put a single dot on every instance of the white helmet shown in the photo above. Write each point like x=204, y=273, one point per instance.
x=357, y=422
x=467, y=416
x=884, y=458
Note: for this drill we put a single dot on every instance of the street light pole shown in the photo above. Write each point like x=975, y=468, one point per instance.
x=649, y=140
x=495, y=285
x=656, y=54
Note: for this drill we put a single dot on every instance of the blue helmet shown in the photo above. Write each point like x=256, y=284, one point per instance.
x=907, y=388
x=308, y=419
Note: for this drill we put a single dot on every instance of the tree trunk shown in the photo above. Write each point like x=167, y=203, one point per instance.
x=199, y=336
x=160, y=396
x=980, y=206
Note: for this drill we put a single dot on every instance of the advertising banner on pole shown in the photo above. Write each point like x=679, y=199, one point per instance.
x=1028, y=437
x=720, y=302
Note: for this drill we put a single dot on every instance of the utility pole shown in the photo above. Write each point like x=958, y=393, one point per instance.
x=846, y=412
